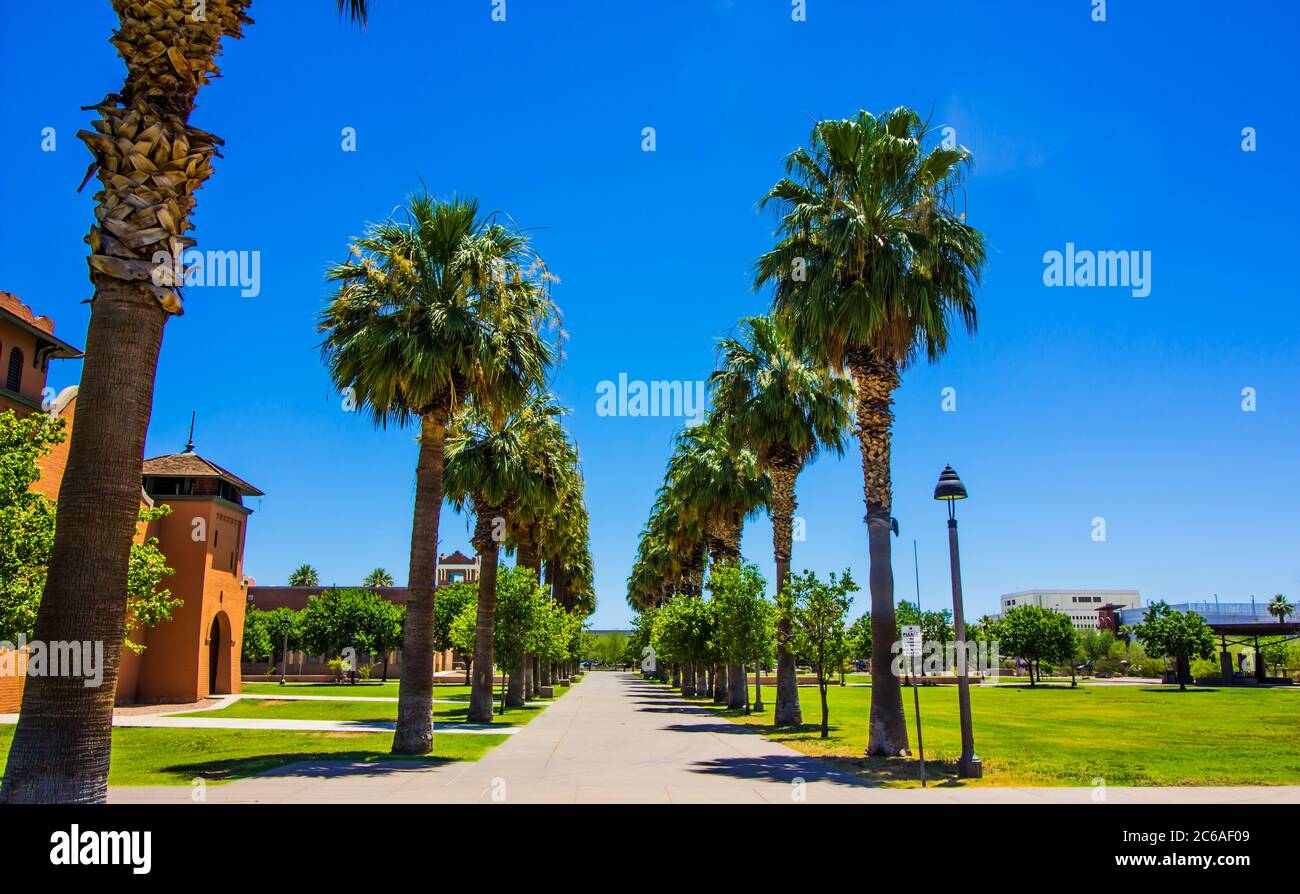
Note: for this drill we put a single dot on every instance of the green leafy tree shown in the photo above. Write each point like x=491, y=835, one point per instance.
x=341, y=618
x=147, y=601
x=684, y=632
x=743, y=620
x=858, y=639
x=1036, y=635
x=874, y=262
x=816, y=611
x=304, y=576
x=26, y=519
x=449, y=601
x=520, y=602
x=1182, y=636
x=257, y=641
x=385, y=624
x=460, y=634
x=378, y=578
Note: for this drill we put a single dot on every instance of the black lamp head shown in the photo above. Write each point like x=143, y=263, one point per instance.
x=949, y=486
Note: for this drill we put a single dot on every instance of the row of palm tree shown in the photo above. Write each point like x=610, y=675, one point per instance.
x=873, y=266
x=440, y=320
x=149, y=161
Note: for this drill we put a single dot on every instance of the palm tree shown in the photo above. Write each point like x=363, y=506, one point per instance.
x=716, y=482
x=378, y=578
x=489, y=472
x=304, y=576
x=552, y=460
x=150, y=161
x=432, y=310
x=872, y=264
x=1280, y=608
x=786, y=408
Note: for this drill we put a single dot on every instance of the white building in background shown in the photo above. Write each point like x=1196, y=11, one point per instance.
x=1080, y=605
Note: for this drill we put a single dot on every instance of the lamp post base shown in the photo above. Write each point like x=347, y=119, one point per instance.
x=969, y=767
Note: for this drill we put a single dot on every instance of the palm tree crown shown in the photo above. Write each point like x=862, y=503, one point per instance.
x=780, y=402
x=872, y=253
x=436, y=307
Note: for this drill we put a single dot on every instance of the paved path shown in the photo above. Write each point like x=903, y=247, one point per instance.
x=175, y=721
x=615, y=738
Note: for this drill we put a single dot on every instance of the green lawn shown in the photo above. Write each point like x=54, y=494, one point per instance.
x=281, y=709
x=144, y=756
x=1055, y=735
x=369, y=690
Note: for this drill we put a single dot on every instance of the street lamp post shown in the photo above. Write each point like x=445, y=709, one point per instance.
x=950, y=490
x=284, y=654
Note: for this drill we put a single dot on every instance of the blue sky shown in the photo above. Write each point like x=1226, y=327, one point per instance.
x=1072, y=403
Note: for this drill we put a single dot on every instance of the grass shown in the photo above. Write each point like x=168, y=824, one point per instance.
x=1055, y=735
x=282, y=709
x=143, y=756
x=146, y=756
x=369, y=690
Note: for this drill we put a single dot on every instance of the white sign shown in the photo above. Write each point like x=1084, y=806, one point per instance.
x=911, y=640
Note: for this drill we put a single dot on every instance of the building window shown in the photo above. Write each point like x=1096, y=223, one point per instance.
x=14, y=377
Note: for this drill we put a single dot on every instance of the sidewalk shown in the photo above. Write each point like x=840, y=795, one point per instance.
x=617, y=739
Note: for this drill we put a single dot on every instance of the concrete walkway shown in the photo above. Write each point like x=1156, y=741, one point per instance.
x=617, y=739
x=175, y=721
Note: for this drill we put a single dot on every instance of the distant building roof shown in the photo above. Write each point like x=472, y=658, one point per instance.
x=456, y=558
x=189, y=464
x=270, y=598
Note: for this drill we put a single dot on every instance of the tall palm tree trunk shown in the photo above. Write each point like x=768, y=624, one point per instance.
x=516, y=690
x=149, y=162
x=784, y=472
x=876, y=381
x=480, y=697
x=62, y=743
x=414, y=734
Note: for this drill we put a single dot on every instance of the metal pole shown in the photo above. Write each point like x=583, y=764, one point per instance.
x=968, y=765
x=284, y=655
x=920, y=743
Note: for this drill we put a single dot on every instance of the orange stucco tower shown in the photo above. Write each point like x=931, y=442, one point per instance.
x=196, y=653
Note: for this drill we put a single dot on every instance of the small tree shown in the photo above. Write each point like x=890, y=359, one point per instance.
x=1036, y=635
x=304, y=576
x=460, y=634
x=744, y=620
x=815, y=611
x=858, y=639
x=519, y=606
x=26, y=519
x=1181, y=636
x=684, y=632
x=448, y=603
x=384, y=623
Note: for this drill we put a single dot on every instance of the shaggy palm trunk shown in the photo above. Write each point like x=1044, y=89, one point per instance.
x=783, y=472
x=480, y=697
x=737, y=686
x=414, y=734
x=876, y=381
x=62, y=743
x=149, y=161
x=529, y=556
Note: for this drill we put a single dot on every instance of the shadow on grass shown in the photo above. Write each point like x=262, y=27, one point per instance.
x=307, y=765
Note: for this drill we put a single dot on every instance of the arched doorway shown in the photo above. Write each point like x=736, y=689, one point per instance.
x=218, y=649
